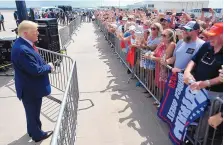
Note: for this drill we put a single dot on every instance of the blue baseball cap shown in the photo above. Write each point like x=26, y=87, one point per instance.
x=192, y=25
x=168, y=19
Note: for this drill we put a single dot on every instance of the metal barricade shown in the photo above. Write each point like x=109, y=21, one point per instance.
x=201, y=133
x=214, y=136
x=151, y=74
x=64, y=78
x=121, y=54
x=63, y=66
x=112, y=39
x=64, y=36
x=78, y=21
x=74, y=25
x=65, y=129
x=97, y=22
x=153, y=79
x=71, y=28
x=66, y=32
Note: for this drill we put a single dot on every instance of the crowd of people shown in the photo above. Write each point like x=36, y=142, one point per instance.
x=190, y=45
x=63, y=18
x=87, y=16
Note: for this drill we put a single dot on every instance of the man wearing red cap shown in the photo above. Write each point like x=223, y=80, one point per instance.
x=204, y=68
x=207, y=62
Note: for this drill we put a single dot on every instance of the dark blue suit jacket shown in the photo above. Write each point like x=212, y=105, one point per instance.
x=31, y=71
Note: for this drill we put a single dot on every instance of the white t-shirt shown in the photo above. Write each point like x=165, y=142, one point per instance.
x=139, y=28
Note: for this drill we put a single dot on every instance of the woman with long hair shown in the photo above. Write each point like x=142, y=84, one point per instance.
x=147, y=47
x=163, y=51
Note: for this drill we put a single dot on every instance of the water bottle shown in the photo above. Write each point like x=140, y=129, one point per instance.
x=145, y=60
x=191, y=81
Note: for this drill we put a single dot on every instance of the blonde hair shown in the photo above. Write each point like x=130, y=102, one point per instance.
x=171, y=35
x=26, y=26
x=148, y=22
x=159, y=27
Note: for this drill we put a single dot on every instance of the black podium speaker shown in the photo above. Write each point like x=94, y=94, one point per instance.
x=50, y=22
x=48, y=34
x=5, y=50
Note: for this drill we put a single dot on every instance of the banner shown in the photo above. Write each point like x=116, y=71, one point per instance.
x=181, y=106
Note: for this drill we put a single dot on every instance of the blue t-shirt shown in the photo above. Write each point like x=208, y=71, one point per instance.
x=185, y=51
x=151, y=41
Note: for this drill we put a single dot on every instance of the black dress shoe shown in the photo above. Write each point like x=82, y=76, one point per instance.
x=49, y=133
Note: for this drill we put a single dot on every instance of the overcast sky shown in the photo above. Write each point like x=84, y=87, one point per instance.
x=86, y=3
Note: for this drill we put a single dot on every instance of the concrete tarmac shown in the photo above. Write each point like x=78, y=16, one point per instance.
x=112, y=112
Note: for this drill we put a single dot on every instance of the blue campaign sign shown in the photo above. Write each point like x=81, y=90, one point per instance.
x=180, y=106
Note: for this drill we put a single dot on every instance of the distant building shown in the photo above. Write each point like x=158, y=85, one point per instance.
x=218, y=12
x=164, y=5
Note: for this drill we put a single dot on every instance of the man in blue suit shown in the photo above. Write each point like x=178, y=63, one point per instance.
x=31, y=77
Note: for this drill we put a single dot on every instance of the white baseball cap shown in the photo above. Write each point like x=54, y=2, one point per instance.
x=132, y=28
x=131, y=16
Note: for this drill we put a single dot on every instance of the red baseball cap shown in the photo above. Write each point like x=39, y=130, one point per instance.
x=215, y=30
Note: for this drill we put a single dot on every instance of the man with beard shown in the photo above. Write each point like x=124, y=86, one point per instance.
x=186, y=48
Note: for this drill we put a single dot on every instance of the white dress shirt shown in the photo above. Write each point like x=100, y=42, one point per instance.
x=31, y=43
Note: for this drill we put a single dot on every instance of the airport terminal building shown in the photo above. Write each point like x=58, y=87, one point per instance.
x=179, y=5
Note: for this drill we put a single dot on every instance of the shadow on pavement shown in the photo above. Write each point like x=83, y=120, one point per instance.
x=24, y=140
x=142, y=118
x=11, y=86
x=50, y=108
x=5, y=80
x=90, y=106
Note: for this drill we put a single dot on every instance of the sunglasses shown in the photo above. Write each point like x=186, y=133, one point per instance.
x=208, y=59
x=162, y=20
x=163, y=35
x=153, y=28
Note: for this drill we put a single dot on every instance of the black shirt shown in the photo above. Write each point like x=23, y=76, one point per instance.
x=208, y=64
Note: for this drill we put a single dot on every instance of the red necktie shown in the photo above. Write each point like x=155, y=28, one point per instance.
x=35, y=48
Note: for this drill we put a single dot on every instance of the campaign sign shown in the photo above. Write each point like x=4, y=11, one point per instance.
x=181, y=106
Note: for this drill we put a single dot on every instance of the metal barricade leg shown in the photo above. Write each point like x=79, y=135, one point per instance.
x=132, y=75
